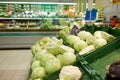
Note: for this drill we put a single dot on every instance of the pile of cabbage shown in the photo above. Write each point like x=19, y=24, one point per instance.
x=83, y=41
x=49, y=56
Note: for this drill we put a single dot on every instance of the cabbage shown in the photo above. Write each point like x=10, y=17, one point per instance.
x=38, y=73
x=36, y=48
x=43, y=46
x=83, y=35
x=35, y=64
x=90, y=39
x=38, y=55
x=53, y=50
x=71, y=39
x=60, y=57
x=64, y=49
x=44, y=40
x=33, y=59
x=45, y=57
x=105, y=35
x=98, y=34
x=52, y=65
x=54, y=39
x=100, y=42
x=64, y=32
x=43, y=51
x=53, y=47
x=86, y=36
x=87, y=50
x=68, y=58
x=55, y=42
x=79, y=45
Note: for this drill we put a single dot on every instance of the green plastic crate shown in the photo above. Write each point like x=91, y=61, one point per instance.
x=106, y=55
x=102, y=57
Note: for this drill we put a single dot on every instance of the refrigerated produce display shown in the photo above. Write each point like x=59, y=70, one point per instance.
x=59, y=40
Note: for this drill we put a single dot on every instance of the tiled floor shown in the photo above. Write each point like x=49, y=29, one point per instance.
x=14, y=64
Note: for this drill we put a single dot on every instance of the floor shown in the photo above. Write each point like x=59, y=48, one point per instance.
x=14, y=64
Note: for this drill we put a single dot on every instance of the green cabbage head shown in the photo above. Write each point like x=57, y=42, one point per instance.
x=52, y=65
x=100, y=42
x=38, y=73
x=79, y=45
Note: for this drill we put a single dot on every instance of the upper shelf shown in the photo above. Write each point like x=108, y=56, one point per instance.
x=37, y=2
x=39, y=18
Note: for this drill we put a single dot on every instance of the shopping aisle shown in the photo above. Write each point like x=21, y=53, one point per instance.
x=14, y=64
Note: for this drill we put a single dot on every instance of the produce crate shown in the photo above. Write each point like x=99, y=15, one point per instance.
x=101, y=58
x=93, y=65
x=87, y=72
x=106, y=55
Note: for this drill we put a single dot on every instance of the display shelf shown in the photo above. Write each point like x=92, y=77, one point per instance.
x=17, y=2
x=32, y=15
x=28, y=29
x=22, y=39
x=39, y=18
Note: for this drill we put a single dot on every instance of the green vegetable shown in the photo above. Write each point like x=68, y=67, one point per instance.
x=64, y=49
x=53, y=47
x=79, y=45
x=64, y=32
x=71, y=39
x=83, y=35
x=45, y=57
x=46, y=24
x=33, y=59
x=38, y=55
x=87, y=50
x=108, y=37
x=38, y=73
x=60, y=57
x=63, y=22
x=35, y=49
x=52, y=65
x=98, y=34
x=68, y=58
x=35, y=64
x=90, y=39
x=105, y=35
x=100, y=42
x=53, y=50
